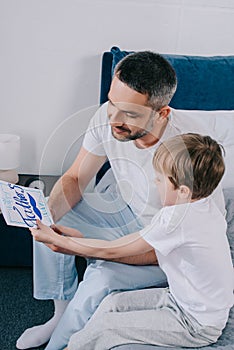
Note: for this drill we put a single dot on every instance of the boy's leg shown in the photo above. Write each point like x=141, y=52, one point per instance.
x=100, y=279
x=148, y=316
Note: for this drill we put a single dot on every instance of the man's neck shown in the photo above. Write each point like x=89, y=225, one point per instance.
x=140, y=143
x=152, y=137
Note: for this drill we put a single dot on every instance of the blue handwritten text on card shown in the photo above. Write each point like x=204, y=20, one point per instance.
x=25, y=206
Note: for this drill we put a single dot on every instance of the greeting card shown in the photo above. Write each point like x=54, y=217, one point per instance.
x=22, y=206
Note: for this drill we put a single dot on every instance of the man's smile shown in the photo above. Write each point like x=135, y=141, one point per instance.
x=120, y=130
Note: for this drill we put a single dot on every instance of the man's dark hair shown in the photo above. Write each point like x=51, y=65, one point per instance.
x=148, y=73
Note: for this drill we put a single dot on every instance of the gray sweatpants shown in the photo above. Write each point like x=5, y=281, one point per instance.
x=149, y=316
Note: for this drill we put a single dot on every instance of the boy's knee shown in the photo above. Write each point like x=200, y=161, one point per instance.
x=110, y=303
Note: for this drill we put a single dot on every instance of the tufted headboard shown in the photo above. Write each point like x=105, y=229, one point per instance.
x=204, y=83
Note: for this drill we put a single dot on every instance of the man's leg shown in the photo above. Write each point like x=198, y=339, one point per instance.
x=149, y=316
x=55, y=276
x=100, y=279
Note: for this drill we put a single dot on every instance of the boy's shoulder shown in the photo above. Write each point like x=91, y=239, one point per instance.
x=175, y=217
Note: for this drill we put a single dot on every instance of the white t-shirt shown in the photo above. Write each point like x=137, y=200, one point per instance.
x=132, y=166
x=191, y=244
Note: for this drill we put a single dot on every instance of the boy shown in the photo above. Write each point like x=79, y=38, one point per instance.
x=194, y=309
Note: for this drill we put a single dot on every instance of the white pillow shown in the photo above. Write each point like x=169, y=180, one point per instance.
x=217, y=124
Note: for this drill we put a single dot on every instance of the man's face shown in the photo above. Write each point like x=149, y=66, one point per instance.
x=130, y=117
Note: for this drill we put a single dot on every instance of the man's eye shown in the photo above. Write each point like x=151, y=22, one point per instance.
x=130, y=115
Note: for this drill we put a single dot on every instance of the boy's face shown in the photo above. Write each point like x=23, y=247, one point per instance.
x=167, y=192
x=130, y=117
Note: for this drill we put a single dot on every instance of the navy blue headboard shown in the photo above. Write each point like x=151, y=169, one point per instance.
x=204, y=83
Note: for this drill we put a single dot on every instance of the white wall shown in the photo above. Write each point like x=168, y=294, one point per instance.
x=50, y=60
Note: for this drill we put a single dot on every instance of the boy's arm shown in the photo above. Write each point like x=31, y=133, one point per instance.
x=69, y=188
x=148, y=258
x=127, y=246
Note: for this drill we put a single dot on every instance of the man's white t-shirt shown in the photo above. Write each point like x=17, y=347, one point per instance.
x=191, y=245
x=132, y=166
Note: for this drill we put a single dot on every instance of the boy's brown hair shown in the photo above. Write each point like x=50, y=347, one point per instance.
x=192, y=160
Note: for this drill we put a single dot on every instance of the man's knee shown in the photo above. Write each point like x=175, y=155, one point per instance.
x=104, y=274
x=99, y=281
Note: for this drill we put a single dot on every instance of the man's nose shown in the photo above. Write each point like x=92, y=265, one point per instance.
x=117, y=117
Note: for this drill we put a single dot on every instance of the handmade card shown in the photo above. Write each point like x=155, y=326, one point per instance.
x=22, y=206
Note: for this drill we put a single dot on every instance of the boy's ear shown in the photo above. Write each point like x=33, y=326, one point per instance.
x=184, y=192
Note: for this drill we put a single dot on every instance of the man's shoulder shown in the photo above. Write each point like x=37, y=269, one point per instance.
x=102, y=111
x=99, y=121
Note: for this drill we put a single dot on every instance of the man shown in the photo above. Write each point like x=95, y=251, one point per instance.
x=126, y=131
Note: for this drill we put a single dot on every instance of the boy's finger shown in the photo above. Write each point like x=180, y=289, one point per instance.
x=56, y=229
x=40, y=224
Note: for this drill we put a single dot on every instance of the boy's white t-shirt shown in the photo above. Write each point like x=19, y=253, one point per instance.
x=191, y=244
x=132, y=166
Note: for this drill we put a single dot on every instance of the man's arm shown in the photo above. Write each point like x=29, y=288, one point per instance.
x=68, y=190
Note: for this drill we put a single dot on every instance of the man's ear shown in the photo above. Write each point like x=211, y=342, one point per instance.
x=184, y=192
x=164, y=112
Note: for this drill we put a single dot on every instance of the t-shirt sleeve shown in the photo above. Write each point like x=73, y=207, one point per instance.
x=162, y=234
x=95, y=133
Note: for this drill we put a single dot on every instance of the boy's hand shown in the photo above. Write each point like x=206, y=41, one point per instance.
x=47, y=234
x=43, y=233
x=67, y=231
x=57, y=249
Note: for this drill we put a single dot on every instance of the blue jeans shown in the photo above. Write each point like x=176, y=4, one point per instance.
x=55, y=275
